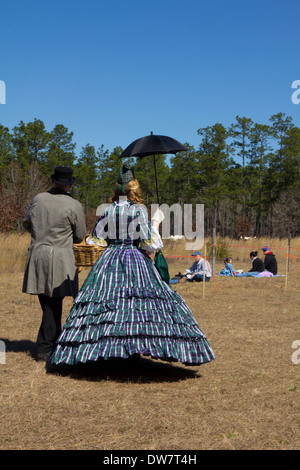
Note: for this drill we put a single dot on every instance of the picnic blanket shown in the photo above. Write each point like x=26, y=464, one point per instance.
x=264, y=274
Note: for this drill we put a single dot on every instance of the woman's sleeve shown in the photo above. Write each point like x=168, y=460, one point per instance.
x=100, y=229
x=150, y=239
x=142, y=223
x=154, y=243
x=253, y=269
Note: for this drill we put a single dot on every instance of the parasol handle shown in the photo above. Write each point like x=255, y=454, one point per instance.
x=156, y=180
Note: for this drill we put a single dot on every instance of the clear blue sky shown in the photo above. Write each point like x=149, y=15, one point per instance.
x=113, y=71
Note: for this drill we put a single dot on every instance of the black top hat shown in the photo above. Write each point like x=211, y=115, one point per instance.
x=63, y=175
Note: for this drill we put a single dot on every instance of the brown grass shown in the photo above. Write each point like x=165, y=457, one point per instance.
x=13, y=252
x=238, y=249
x=248, y=398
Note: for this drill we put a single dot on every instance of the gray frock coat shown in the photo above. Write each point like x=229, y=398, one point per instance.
x=55, y=221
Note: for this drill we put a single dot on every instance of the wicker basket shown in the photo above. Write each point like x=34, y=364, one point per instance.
x=87, y=255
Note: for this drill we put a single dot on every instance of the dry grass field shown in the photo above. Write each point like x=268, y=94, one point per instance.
x=248, y=398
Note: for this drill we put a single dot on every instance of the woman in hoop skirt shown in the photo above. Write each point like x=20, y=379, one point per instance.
x=124, y=308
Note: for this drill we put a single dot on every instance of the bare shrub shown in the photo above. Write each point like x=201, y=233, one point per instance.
x=286, y=213
x=18, y=187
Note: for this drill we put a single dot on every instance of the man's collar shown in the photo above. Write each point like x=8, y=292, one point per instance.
x=58, y=191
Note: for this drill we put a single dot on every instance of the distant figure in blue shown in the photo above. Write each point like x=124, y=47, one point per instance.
x=228, y=270
x=257, y=266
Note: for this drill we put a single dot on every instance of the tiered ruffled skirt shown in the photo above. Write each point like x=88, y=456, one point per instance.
x=125, y=308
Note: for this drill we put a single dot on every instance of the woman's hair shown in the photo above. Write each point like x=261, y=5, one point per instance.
x=132, y=192
x=253, y=253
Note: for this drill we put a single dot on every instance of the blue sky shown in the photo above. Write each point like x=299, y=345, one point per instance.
x=113, y=71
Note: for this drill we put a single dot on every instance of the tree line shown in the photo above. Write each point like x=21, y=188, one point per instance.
x=247, y=175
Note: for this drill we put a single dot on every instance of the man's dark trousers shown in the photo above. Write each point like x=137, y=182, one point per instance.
x=51, y=323
x=198, y=278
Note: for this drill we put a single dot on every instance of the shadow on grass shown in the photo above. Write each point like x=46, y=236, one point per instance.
x=140, y=370
x=137, y=369
x=23, y=345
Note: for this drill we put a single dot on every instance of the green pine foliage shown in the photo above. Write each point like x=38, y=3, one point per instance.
x=247, y=176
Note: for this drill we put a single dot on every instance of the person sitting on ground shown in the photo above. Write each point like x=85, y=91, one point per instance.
x=196, y=271
x=257, y=263
x=228, y=270
x=270, y=263
x=257, y=266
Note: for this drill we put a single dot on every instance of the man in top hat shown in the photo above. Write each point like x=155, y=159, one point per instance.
x=196, y=271
x=270, y=262
x=55, y=221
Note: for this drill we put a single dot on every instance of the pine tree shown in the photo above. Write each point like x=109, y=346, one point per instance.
x=240, y=133
x=260, y=157
x=6, y=148
x=85, y=172
x=214, y=163
x=183, y=177
x=60, y=149
x=30, y=141
x=281, y=126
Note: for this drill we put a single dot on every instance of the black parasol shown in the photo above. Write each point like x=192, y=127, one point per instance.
x=153, y=145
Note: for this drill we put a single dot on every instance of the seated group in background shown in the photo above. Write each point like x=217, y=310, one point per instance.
x=196, y=272
x=268, y=268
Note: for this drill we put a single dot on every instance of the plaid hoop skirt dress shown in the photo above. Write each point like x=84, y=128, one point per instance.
x=125, y=308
